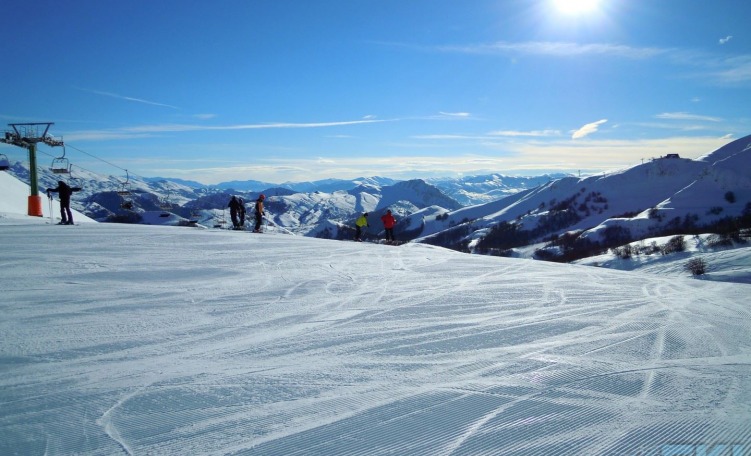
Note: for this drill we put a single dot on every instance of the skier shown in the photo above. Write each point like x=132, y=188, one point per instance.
x=236, y=207
x=65, y=191
x=388, y=225
x=259, y=213
x=361, y=222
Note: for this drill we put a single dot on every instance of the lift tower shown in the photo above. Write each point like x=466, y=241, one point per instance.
x=26, y=135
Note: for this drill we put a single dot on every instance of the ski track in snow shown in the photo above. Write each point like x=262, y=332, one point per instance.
x=153, y=340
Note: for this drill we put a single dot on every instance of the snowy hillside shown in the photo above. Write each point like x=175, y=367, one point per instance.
x=721, y=188
x=640, y=201
x=14, y=202
x=133, y=339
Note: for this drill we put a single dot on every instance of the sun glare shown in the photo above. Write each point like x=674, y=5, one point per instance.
x=576, y=7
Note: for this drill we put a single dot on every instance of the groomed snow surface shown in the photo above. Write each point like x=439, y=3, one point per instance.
x=151, y=340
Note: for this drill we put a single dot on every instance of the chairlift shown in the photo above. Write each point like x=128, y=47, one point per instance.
x=125, y=187
x=60, y=165
x=220, y=221
x=125, y=193
x=74, y=181
x=4, y=162
x=164, y=203
x=165, y=206
x=195, y=215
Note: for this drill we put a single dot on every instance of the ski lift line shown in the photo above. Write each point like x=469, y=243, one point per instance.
x=127, y=179
x=125, y=186
x=70, y=166
x=94, y=156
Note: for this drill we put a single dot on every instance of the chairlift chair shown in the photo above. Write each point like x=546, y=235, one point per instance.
x=220, y=221
x=60, y=165
x=125, y=186
x=124, y=192
x=164, y=203
x=195, y=214
x=74, y=181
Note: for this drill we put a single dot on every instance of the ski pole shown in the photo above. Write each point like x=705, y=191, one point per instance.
x=49, y=199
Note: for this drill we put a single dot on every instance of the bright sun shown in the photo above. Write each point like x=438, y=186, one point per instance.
x=576, y=7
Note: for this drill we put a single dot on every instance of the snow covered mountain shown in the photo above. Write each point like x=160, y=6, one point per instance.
x=642, y=201
x=562, y=218
x=327, y=211
x=331, y=215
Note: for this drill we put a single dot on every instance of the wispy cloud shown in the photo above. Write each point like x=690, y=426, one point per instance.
x=165, y=128
x=686, y=116
x=463, y=115
x=529, y=157
x=559, y=49
x=734, y=70
x=126, y=98
x=151, y=130
x=528, y=134
x=716, y=69
x=588, y=129
x=446, y=136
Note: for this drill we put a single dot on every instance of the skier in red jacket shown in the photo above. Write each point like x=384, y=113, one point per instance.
x=388, y=225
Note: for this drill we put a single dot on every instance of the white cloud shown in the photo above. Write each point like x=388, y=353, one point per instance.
x=455, y=114
x=558, y=49
x=588, y=129
x=532, y=156
x=528, y=134
x=726, y=39
x=686, y=116
x=736, y=70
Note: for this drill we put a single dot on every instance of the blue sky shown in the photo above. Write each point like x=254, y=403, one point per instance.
x=292, y=90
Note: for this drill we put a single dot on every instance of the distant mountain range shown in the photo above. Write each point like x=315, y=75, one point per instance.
x=307, y=208
x=547, y=216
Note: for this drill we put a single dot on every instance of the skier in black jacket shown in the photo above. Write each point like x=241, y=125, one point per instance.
x=237, y=212
x=65, y=191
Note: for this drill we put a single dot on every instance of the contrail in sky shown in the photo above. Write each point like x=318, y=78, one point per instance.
x=122, y=97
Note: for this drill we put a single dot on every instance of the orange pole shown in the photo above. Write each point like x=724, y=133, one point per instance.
x=35, y=206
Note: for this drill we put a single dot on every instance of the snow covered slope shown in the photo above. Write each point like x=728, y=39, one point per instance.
x=133, y=339
x=675, y=187
x=14, y=196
